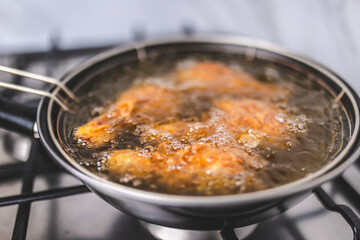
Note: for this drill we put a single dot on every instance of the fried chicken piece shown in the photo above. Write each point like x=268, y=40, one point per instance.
x=196, y=169
x=232, y=121
x=219, y=79
x=253, y=122
x=94, y=134
x=179, y=132
x=131, y=162
x=251, y=114
x=148, y=104
x=137, y=105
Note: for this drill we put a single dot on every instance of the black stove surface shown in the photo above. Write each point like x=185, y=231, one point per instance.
x=39, y=200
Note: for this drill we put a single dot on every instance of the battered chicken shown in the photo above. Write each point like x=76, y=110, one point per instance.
x=253, y=122
x=242, y=121
x=179, y=132
x=199, y=169
x=219, y=79
x=137, y=105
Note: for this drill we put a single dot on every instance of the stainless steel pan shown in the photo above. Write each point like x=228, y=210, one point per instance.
x=186, y=212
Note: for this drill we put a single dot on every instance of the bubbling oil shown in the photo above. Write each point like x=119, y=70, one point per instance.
x=304, y=133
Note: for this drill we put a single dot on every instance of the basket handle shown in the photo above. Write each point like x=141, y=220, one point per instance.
x=42, y=78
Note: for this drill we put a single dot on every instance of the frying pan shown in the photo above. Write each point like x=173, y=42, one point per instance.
x=185, y=212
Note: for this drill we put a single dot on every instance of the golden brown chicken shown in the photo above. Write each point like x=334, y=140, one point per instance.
x=251, y=114
x=242, y=121
x=135, y=106
x=199, y=169
x=252, y=122
x=219, y=79
x=179, y=132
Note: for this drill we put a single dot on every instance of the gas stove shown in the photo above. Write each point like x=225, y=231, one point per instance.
x=39, y=200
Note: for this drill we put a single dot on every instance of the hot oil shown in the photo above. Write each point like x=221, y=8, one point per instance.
x=314, y=127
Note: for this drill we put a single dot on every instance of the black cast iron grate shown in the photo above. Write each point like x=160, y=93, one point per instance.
x=38, y=163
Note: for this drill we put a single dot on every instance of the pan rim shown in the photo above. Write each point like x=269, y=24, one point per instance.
x=111, y=188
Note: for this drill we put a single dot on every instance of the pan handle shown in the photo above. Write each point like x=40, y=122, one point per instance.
x=39, y=77
x=17, y=117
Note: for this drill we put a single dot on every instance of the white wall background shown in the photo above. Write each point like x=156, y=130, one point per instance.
x=326, y=30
